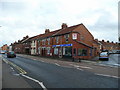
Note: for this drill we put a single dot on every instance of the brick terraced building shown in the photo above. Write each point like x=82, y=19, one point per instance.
x=71, y=42
x=74, y=41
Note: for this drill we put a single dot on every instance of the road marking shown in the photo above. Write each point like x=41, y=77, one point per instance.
x=80, y=69
x=106, y=75
x=14, y=65
x=42, y=61
x=16, y=74
x=57, y=64
x=40, y=83
x=85, y=67
x=12, y=69
x=81, y=66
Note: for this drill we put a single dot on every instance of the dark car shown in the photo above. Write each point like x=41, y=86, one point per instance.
x=117, y=52
x=11, y=54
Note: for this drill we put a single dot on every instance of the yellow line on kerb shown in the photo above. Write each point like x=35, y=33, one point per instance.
x=14, y=65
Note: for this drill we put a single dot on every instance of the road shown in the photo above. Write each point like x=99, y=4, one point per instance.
x=56, y=76
x=113, y=60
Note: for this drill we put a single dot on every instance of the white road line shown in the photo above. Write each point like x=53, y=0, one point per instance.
x=42, y=61
x=76, y=66
x=106, y=75
x=81, y=66
x=11, y=68
x=80, y=69
x=85, y=67
x=40, y=83
x=16, y=74
x=57, y=64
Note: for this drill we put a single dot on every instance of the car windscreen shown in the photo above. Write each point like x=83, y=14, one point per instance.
x=11, y=52
x=103, y=54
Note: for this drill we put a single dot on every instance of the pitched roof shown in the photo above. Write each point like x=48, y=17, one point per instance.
x=47, y=34
x=66, y=30
x=83, y=44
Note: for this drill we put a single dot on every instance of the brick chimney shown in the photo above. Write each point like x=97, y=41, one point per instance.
x=27, y=36
x=64, y=25
x=96, y=40
x=103, y=41
x=18, y=41
x=47, y=31
x=107, y=41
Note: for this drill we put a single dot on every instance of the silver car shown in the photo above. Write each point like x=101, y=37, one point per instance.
x=104, y=56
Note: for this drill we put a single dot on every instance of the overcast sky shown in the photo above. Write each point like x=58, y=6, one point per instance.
x=19, y=18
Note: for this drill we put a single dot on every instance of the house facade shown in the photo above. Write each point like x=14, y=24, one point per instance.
x=110, y=46
x=74, y=42
x=4, y=47
x=68, y=41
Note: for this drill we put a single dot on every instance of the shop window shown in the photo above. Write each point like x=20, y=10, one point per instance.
x=79, y=52
x=74, y=51
x=82, y=52
x=68, y=51
x=56, y=51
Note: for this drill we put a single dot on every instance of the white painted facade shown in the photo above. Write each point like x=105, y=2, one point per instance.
x=33, y=47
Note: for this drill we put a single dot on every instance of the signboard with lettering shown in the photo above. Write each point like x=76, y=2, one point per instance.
x=62, y=45
x=74, y=36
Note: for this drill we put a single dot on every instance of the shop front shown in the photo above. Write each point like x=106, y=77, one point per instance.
x=62, y=50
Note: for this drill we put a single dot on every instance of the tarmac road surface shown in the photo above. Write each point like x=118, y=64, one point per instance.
x=55, y=76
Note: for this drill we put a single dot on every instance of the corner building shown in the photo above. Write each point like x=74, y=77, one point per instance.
x=71, y=42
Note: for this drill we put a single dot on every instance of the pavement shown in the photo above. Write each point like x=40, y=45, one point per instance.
x=10, y=75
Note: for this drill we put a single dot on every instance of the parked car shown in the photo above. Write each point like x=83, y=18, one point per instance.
x=11, y=54
x=117, y=52
x=3, y=52
x=104, y=56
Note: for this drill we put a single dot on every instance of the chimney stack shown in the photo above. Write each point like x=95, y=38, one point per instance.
x=64, y=25
x=103, y=41
x=107, y=41
x=96, y=40
x=47, y=31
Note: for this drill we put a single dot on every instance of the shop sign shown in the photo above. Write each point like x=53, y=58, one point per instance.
x=62, y=45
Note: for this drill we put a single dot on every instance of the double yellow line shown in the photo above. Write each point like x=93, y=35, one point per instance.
x=15, y=66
